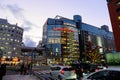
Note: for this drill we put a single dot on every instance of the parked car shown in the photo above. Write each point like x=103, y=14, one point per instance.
x=87, y=67
x=63, y=72
x=104, y=74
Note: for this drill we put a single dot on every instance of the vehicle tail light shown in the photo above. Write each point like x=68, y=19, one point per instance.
x=62, y=72
x=81, y=69
x=96, y=69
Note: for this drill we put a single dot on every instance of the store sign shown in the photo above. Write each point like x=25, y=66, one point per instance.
x=68, y=24
x=62, y=29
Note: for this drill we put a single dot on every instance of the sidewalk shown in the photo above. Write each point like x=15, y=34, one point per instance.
x=20, y=77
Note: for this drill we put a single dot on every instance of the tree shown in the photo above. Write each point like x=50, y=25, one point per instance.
x=92, y=53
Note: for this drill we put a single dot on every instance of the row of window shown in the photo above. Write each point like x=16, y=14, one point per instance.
x=10, y=27
x=10, y=35
x=10, y=39
x=9, y=30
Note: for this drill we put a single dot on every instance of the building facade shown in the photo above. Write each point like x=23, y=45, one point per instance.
x=114, y=12
x=10, y=39
x=66, y=39
x=60, y=36
x=99, y=37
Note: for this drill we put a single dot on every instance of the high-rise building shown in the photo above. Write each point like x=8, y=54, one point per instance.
x=10, y=39
x=114, y=12
x=66, y=39
x=60, y=36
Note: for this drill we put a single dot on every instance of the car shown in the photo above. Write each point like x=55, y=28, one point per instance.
x=63, y=72
x=87, y=67
x=104, y=74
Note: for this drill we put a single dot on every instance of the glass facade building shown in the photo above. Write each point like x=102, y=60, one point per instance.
x=60, y=36
x=100, y=37
x=65, y=39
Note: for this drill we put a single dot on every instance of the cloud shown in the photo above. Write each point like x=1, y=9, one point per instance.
x=29, y=42
x=17, y=13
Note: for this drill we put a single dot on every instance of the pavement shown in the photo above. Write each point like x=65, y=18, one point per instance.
x=20, y=77
x=15, y=75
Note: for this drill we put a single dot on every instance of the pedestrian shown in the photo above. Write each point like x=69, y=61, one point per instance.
x=79, y=72
x=22, y=68
x=25, y=69
x=29, y=68
x=2, y=70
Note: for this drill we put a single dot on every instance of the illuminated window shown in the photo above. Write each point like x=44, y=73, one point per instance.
x=118, y=17
x=1, y=47
x=2, y=25
x=6, y=43
x=6, y=26
x=8, y=34
x=13, y=27
x=11, y=39
x=14, y=48
x=3, y=38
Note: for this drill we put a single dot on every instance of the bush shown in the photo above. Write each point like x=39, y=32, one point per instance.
x=113, y=59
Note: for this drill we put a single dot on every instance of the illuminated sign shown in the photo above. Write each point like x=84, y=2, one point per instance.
x=62, y=29
x=68, y=24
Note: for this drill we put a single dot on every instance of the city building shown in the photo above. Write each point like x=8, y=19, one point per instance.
x=99, y=37
x=60, y=37
x=10, y=40
x=65, y=39
x=114, y=12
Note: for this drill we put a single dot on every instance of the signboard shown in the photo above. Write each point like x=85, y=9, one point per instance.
x=63, y=29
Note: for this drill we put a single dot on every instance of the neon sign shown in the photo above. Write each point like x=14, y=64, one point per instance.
x=63, y=29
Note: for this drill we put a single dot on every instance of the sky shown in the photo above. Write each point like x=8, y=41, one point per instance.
x=32, y=14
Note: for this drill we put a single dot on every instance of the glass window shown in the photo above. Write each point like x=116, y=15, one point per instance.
x=6, y=26
x=55, y=68
x=115, y=75
x=13, y=27
x=2, y=25
x=102, y=75
x=68, y=69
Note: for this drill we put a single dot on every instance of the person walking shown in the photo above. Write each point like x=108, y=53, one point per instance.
x=25, y=69
x=2, y=71
x=29, y=68
x=79, y=72
x=22, y=68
